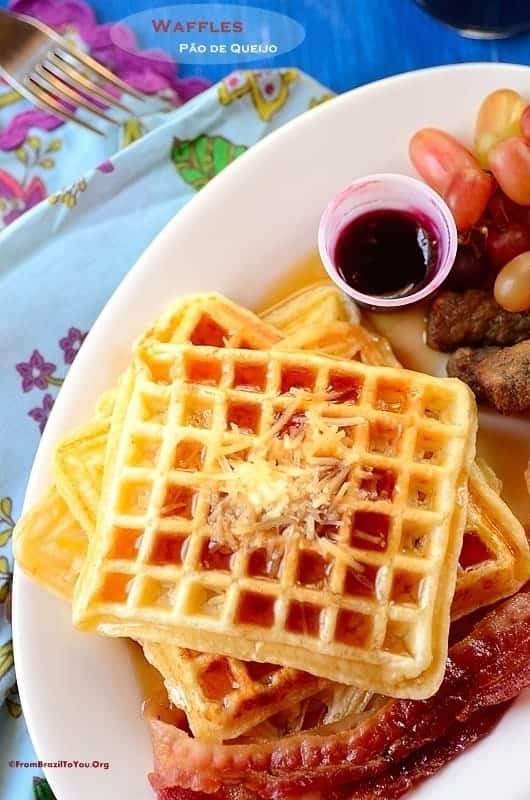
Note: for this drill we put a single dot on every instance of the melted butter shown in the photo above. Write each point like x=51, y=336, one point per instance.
x=504, y=442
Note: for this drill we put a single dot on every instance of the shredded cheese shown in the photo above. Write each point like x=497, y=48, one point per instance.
x=297, y=477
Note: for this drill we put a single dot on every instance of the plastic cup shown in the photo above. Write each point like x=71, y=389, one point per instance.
x=387, y=192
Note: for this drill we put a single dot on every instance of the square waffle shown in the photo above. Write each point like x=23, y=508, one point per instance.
x=494, y=562
x=495, y=559
x=187, y=408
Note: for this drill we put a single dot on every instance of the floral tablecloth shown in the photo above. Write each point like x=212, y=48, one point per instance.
x=76, y=211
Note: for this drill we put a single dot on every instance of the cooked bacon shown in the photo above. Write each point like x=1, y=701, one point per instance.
x=487, y=668
x=225, y=793
x=403, y=777
x=395, y=782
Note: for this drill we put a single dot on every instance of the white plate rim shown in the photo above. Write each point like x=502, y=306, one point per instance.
x=67, y=411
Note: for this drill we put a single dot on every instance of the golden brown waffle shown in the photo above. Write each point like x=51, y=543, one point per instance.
x=253, y=700
x=314, y=306
x=343, y=340
x=158, y=567
x=225, y=697
x=79, y=461
x=211, y=319
x=49, y=545
x=495, y=560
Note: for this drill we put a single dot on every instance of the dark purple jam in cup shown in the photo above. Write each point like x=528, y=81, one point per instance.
x=387, y=253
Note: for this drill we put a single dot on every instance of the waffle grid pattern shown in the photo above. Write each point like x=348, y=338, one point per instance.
x=224, y=697
x=81, y=455
x=160, y=504
x=494, y=562
x=211, y=319
x=495, y=558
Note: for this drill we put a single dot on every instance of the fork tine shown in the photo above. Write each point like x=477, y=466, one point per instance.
x=78, y=77
x=35, y=94
x=102, y=71
x=65, y=91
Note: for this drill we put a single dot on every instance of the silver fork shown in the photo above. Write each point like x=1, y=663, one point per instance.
x=54, y=74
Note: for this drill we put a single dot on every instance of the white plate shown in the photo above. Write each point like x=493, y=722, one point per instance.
x=81, y=697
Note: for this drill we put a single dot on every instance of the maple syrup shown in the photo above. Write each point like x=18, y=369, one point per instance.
x=303, y=618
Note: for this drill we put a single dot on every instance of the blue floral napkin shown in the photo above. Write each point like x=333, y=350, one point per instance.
x=76, y=211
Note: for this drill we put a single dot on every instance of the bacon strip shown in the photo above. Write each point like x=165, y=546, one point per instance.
x=225, y=793
x=397, y=781
x=426, y=762
x=487, y=668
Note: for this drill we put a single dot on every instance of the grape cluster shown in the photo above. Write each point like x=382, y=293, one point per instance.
x=489, y=196
x=502, y=233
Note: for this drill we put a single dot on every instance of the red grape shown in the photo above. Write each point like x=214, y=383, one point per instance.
x=501, y=211
x=467, y=196
x=453, y=172
x=470, y=269
x=525, y=123
x=438, y=156
x=510, y=163
x=503, y=245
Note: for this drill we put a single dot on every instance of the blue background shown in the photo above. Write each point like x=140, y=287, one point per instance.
x=350, y=42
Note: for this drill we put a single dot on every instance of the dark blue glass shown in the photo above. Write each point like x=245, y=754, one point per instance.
x=482, y=18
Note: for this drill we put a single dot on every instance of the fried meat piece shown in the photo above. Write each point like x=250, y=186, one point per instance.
x=463, y=364
x=500, y=376
x=473, y=318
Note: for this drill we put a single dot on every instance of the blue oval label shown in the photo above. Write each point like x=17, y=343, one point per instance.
x=212, y=34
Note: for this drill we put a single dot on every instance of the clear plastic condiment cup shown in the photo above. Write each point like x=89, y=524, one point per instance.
x=384, y=192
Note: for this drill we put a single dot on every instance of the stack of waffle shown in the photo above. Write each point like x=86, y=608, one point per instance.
x=284, y=518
